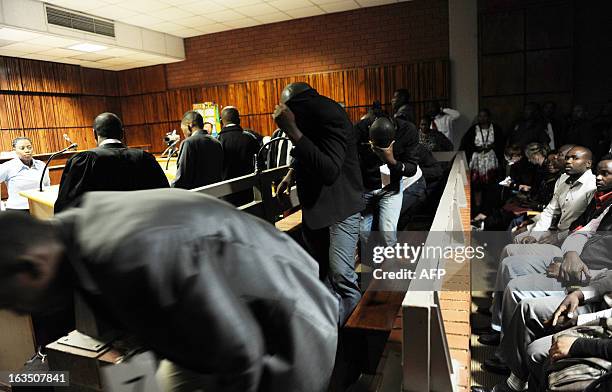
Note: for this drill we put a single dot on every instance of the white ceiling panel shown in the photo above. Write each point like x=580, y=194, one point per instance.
x=241, y=23
x=10, y=34
x=258, y=9
x=304, y=12
x=60, y=52
x=272, y=18
x=53, y=41
x=339, y=6
x=26, y=47
x=224, y=16
x=285, y=5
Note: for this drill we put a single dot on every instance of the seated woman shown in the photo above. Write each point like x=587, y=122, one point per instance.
x=22, y=173
x=432, y=139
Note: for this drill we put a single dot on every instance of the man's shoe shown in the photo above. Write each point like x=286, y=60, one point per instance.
x=490, y=339
x=495, y=365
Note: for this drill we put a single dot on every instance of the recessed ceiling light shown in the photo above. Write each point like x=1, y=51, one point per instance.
x=86, y=47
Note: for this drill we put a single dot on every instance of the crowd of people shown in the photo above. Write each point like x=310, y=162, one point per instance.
x=548, y=183
x=195, y=266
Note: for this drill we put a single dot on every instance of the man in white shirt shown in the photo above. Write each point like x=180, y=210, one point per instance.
x=443, y=119
x=573, y=192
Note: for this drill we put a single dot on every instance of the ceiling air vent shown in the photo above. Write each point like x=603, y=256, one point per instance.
x=78, y=21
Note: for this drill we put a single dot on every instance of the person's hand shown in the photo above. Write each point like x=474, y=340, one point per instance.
x=285, y=119
x=524, y=188
x=283, y=188
x=528, y=240
x=573, y=267
x=560, y=347
x=549, y=239
x=385, y=154
x=565, y=316
x=552, y=271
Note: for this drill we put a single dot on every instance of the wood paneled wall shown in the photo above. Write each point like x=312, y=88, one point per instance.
x=541, y=50
x=44, y=100
x=149, y=110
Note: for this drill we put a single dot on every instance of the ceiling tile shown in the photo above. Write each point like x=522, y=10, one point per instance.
x=171, y=13
x=112, y=52
x=272, y=18
x=11, y=53
x=144, y=6
x=257, y=9
x=195, y=21
x=52, y=41
x=16, y=34
x=177, y=2
x=114, y=12
x=186, y=33
x=69, y=61
x=59, y=52
x=203, y=7
x=36, y=56
x=224, y=16
x=241, y=23
x=26, y=47
x=145, y=20
x=89, y=64
x=214, y=28
x=373, y=3
x=167, y=27
x=339, y=6
x=305, y=12
x=115, y=61
x=140, y=56
x=285, y=5
x=237, y=4
x=89, y=56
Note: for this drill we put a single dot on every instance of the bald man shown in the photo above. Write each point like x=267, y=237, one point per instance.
x=111, y=166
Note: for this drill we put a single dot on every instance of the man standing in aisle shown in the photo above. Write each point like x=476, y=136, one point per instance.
x=326, y=170
x=443, y=118
x=200, y=160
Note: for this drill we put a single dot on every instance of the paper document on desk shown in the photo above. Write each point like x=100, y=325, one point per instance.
x=587, y=318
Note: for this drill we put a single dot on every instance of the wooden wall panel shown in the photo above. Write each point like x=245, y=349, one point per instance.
x=502, y=32
x=10, y=112
x=111, y=84
x=549, y=26
x=138, y=135
x=10, y=74
x=502, y=74
x=7, y=136
x=555, y=62
x=153, y=79
x=355, y=88
x=93, y=81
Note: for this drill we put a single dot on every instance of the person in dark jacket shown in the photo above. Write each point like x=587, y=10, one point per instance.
x=111, y=166
x=239, y=150
x=530, y=129
x=200, y=160
x=400, y=104
x=225, y=310
x=326, y=171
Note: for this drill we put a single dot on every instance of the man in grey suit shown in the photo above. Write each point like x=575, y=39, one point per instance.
x=182, y=272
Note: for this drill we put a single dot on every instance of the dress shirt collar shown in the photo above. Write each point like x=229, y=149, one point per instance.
x=110, y=141
x=586, y=177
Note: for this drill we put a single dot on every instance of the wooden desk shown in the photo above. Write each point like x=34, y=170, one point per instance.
x=171, y=172
x=41, y=203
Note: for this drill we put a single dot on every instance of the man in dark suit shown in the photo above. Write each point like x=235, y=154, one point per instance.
x=111, y=166
x=239, y=149
x=239, y=146
x=230, y=307
x=200, y=160
x=329, y=184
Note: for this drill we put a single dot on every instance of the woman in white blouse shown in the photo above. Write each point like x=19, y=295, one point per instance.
x=22, y=173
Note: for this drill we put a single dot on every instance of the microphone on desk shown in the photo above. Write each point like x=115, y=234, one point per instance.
x=42, y=176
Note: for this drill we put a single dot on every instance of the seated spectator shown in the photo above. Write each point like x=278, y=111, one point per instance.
x=431, y=139
x=111, y=166
x=483, y=144
x=518, y=261
x=530, y=129
x=200, y=160
x=573, y=192
x=442, y=119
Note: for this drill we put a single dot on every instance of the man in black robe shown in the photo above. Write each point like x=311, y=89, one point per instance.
x=111, y=166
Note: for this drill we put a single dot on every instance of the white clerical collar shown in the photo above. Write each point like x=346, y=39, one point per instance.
x=110, y=141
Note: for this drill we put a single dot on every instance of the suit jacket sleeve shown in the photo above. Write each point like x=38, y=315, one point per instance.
x=75, y=181
x=325, y=160
x=184, y=176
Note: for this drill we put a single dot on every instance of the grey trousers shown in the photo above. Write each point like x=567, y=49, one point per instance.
x=525, y=344
x=519, y=260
